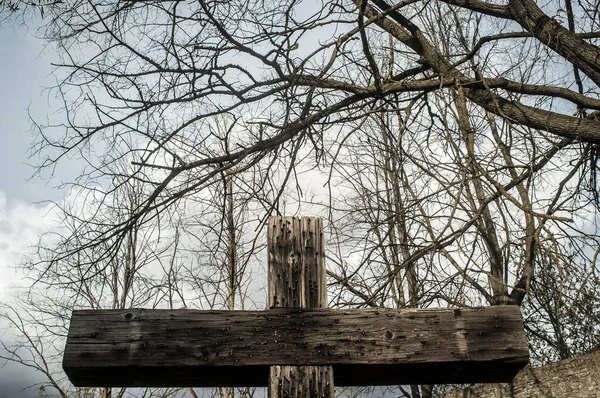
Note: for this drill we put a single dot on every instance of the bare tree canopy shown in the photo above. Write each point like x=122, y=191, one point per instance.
x=147, y=78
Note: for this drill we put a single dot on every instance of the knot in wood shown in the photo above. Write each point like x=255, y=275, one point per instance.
x=293, y=262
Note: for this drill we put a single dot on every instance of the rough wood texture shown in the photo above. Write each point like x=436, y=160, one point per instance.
x=235, y=348
x=301, y=381
x=297, y=274
x=297, y=279
x=574, y=377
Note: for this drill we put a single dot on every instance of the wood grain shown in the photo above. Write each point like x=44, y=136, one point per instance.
x=145, y=347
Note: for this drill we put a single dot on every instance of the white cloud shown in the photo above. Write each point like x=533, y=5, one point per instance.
x=21, y=225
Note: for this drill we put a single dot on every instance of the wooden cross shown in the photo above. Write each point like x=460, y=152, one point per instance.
x=297, y=347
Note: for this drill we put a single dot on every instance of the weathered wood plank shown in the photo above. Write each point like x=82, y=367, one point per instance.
x=296, y=263
x=145, y=347
x=297, y=279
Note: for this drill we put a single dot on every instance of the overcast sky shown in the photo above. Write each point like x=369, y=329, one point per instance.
x=25, y=68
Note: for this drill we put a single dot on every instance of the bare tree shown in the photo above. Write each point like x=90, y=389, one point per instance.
x=158, y=265
x=155, y=73
x=482, y=214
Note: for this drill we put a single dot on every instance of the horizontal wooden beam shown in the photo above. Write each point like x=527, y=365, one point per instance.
x=141, y=347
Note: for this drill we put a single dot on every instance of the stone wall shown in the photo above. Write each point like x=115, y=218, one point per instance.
x=574, y=377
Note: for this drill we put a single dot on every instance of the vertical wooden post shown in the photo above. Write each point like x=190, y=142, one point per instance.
x=297, y=280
